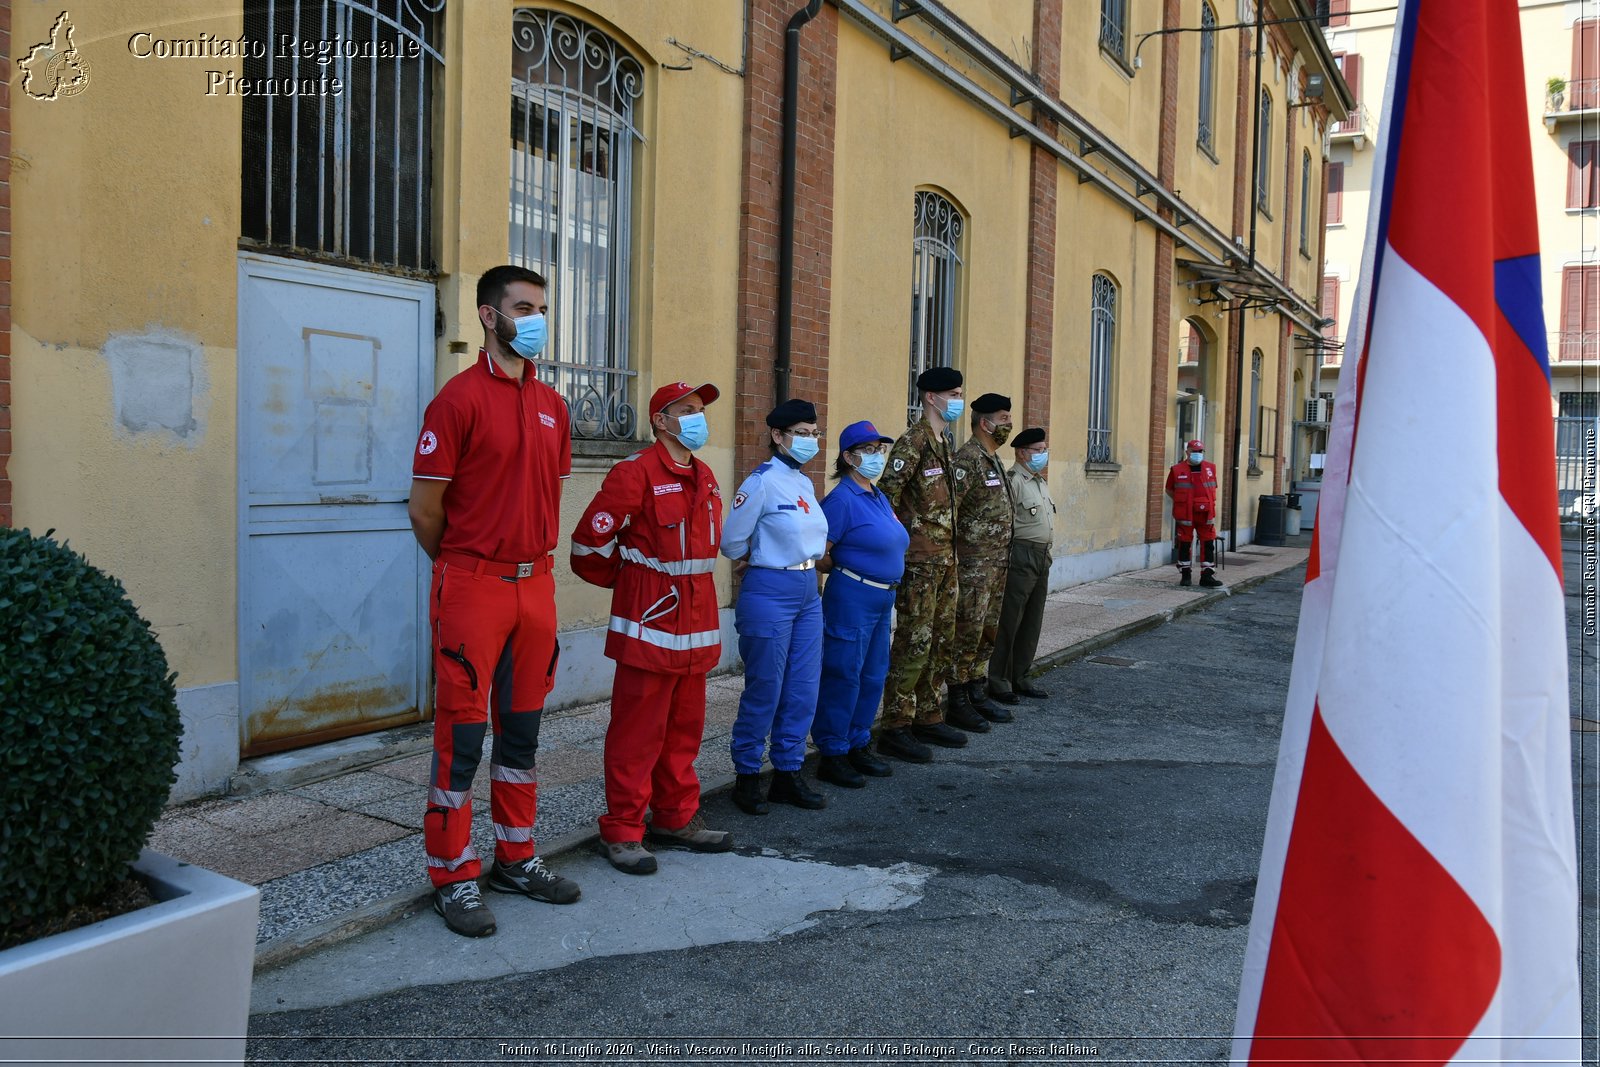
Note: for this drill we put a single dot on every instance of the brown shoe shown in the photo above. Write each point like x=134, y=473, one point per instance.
x=629, y=857
x=692, y=836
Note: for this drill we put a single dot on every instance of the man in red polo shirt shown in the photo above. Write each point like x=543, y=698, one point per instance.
x=485, y=502
x=650, y=535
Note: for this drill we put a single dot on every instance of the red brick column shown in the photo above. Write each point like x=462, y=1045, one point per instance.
x=761, y=189
x=1243, y=203
x=1291, y=249
x=1042, y=175
x=5, y=267
x=1161, y=308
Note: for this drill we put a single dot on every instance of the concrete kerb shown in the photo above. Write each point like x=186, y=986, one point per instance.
x=380, y=913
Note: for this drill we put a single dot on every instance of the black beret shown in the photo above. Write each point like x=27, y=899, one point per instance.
x=939, y=380
x=1031, y=436
x=791, y=412
x=989, y=403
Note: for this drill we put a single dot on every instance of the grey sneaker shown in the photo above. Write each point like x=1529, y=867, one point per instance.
x=692, y=836
x=630, y=857
x=532, y=878
x=463, y=909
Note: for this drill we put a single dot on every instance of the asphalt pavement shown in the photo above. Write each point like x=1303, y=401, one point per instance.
x=1074, y=886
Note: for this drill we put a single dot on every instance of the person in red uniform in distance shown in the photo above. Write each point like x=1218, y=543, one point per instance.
x=485, y=507
x=1192, y=485
x=650, y=536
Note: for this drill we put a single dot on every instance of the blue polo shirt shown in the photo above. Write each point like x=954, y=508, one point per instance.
x=867, y=535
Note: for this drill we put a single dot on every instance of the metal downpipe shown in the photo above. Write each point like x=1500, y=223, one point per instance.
x=791, y=123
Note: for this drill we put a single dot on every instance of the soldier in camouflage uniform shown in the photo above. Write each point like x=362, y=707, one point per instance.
x=983, y=546
x=920, y=484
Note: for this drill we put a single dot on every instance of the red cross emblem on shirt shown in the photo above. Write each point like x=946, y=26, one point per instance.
x=800, y=502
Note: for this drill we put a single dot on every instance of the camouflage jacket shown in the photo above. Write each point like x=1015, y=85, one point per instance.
x=919, y=481
x=983, y=503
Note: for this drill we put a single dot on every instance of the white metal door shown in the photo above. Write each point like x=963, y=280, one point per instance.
x=334, y=370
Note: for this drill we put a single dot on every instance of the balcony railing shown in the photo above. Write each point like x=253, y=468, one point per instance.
x=1359, y=124
x=1575, y=346
x=1580, y=94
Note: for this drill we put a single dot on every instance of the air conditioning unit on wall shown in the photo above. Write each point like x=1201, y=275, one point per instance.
x=1319, y=410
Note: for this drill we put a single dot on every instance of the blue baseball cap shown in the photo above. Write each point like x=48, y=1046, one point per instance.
x=859, y=433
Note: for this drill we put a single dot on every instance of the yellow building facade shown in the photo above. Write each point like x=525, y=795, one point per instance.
x=234, y=302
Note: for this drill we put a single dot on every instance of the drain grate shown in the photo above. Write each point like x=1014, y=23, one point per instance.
x=1113, y=661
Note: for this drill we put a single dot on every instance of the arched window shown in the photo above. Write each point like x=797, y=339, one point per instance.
x=935, y=276
x=1264, y=155
x=1208, y=77
x=1305, y=203
x=1255, y=409
x=1102, y=348
x=574, y=92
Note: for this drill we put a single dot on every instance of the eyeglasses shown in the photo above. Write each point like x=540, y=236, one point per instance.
x=871, y=450
x=811, y=434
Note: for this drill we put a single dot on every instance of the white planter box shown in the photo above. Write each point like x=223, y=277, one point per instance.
x=166, y=984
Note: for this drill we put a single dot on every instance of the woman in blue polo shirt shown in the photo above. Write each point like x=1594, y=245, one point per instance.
x=777, y=532
x=866, y=557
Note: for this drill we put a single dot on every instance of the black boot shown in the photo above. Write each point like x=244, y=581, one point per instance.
x=747, y=793
x=1183, y=577
x=976, y=692
x=839, y=771
x=901, y=744
x=1209, y=580
x=941, y=734
x=864, y=761
x=791, y=787
x=962, y=713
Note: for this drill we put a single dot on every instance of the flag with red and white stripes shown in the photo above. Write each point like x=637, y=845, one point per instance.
x=1417, y=899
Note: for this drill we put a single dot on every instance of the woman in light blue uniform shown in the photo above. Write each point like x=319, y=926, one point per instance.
x=775, y=533
x=866, y=557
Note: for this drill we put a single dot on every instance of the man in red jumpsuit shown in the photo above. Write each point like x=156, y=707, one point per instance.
x=651, y=535
x=1192, y=485
x=485, y=507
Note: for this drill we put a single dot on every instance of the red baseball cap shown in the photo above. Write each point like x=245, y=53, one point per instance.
x=676, y=391
x=1195, y=446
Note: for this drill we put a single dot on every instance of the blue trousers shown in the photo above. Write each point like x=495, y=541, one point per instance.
x=779, y=619
x=855, y=661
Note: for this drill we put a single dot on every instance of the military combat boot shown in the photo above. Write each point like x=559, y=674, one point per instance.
x=962, y=713
x=976, y=692
x=748, y=795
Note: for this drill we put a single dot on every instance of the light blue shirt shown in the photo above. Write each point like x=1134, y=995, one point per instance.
x=775, y=518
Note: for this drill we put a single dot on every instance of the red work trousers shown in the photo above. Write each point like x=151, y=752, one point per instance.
x=494, y=656
x=1187, y=534
x=657, y=721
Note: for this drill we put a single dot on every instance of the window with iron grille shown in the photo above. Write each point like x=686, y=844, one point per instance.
x=1264, y=156
x=344, y=177
x=935, y=277
x=1114, y=27
x=1305, y=204
x=1102, y=348
x=574, y=96
x=1255, y=409
x=1208, y=77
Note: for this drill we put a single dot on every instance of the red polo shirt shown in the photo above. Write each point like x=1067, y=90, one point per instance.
x=503, y=444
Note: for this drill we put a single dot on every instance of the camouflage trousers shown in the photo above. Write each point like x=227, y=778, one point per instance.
x=983, y=593
x=924, y=633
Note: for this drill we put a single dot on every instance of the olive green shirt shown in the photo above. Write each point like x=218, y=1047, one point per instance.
x=983, y=503
x=1035, y=512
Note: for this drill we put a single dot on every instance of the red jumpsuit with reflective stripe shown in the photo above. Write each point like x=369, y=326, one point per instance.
x=651, y=535
x=1194, y=509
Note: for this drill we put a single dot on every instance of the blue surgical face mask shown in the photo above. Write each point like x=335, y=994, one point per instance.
x=532, y=334
x=802, y=449
x=692, y=430
x=1037, y=461
x=1196, y=457
x=954, y=408
x=872, y=465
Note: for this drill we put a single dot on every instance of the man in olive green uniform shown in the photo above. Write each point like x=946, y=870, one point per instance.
x=919, y=481
x=983, y=544
x=1028, y=576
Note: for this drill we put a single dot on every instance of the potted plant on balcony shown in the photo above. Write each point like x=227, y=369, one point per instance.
x=1556, y=92
x=107, y=952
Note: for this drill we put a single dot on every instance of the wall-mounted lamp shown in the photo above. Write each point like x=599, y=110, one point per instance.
x=1316, y=85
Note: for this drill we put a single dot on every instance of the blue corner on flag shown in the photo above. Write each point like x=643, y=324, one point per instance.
x=1516, y=291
